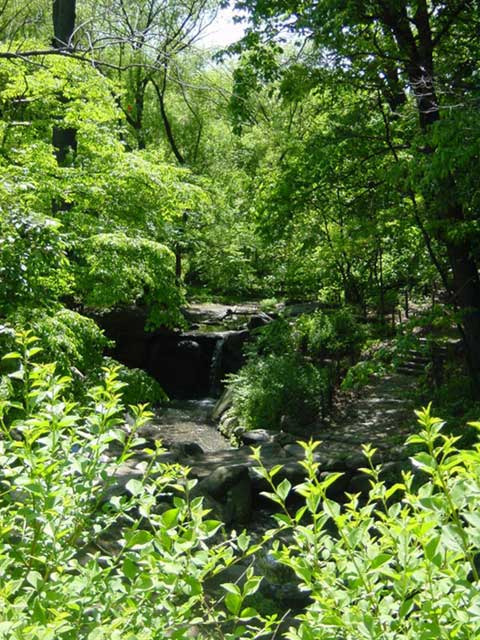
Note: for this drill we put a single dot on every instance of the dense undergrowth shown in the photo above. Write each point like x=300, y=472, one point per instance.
x=292, y=369
x=80, y=561
x=445, y=380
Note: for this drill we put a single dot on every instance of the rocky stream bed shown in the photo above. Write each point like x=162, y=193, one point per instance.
x=227, y=477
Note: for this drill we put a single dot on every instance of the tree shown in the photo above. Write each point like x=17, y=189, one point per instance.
x=63, y=15
x=146, y=39
x=415, y=54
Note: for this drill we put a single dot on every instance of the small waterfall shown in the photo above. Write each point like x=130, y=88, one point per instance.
x=216, y=366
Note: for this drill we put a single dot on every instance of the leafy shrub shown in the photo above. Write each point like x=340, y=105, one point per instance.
x=402, y=563
x=124, y=270
x=280, y=378
x=65, y=336
x=318, y=335
x=361, y=374
x=33, y=263
x=139, y=387
x=275, y=338
x=80, y=562
x=75, y=343
x=329, y=335
x=268, y=388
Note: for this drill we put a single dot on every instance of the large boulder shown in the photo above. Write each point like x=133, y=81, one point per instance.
x=228, y=490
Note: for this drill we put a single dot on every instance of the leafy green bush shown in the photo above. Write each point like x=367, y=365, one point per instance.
x=121, y=270
x=275, y=338
x=329, y=334
x=361, y=374
x=139, y=387
x=75, y=343
x=33, y=263
x=280, y=378
x=319, y=335
x=268, y=388
x=81, y=562
x=65, y=336
x=402, y=563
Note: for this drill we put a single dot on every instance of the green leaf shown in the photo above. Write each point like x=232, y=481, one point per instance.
x=138, y=538
x=283, y=489
x=243, y=541
x=231, y=588
x=34, y=578
x=130, y=569
x=233, y=602
x=379, y=560
x=170, y=517
x=425, y=462
x=135, y=487
x=13, y=355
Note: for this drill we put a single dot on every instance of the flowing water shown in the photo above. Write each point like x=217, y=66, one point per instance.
x=186, y=421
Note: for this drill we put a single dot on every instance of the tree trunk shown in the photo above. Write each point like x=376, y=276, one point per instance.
x=64, y=139
x=166, y=122
x=417, y=51
x=63, y=14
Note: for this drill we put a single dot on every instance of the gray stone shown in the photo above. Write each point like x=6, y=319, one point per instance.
x=258, y=320
x=222, y=479
x=295, y=450
x=355, y=461
x=293, y=471
x=282, y=438
x=228, y=425
x=188, y=450
x=303, y=429
x=271, y=450
x=228, y=492
x=359, y=483
x=257, y=436
x=223, y=403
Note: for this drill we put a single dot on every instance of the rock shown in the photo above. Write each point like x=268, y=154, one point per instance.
x=259, y=320
x=355, y=461
x=169, y=457
x=188, y=450
x=298, y=309
x=302, y=429
x=231, y=488
x=359, y=483
x=223, y=403
x=257, y=436
x=295, y=450
x=222, y=479
x=228, y=426
x=232, y=352
x=282, y=438
x=189, y=346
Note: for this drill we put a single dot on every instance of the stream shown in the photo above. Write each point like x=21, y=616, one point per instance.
x=187, y=421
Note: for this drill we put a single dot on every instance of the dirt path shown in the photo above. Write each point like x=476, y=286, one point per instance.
x=381, y=413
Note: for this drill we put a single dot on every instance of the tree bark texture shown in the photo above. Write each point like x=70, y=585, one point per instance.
x=64, y=139
x=63, y=14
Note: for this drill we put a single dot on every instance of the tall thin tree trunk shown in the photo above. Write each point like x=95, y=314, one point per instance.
x=64, y=139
